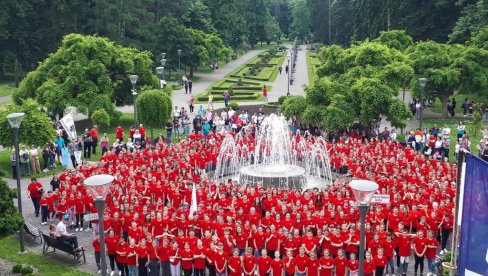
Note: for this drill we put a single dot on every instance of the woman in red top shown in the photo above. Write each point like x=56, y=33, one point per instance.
x=419, y=248
x=121, y=258
x=353, y=265
x=174, y=259
x=380, y=262
x=369, y=265
x=235, y=264
x=187, y=259
x=142, y=256
x=34, y=191
x=313, y=265
x=326, y=264
x=264, y=263
x=111, y=242
x=340, y=263
x=277, y=265
x=249, y=262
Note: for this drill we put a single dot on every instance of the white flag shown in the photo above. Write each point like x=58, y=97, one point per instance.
x=194, y=205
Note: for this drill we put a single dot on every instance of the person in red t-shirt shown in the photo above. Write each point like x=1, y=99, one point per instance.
x=353, y=265
x=326, y=264
x=235, y=264
x=121, y=258
x=174, y=259
x=369, y=265
x=163, y=251
x=277, y=265
x=132, y=257
x=199, y=255
x=313, y=265
x=111, y=243
x=380, y=262
x=96, y=249
x=430, y=254
x=264, y=263
x=221, y=260
x=340, y=263
x=119, y=133
x=389, y=246
x=290, y=264
x=301, y=261
x=187, y=259
x=34, y=191
x=403, y=240
x=249, y=262
x=419, y=248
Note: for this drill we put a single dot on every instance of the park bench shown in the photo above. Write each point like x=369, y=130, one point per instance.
x=33, y=231
x=51, y=242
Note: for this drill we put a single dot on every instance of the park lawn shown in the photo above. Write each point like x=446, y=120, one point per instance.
x=6, y=168
x=312, y=62
x=437, y=106
x=45, y=266
x=6, y=89
x=474, y=136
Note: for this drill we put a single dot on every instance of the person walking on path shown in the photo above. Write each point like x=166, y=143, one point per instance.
x=35, y=191
x=210, y=101
x=190, y=85
x=265, y=93
x=191, y=103
x=286, y=69
x=226, y=98
x=280, y=69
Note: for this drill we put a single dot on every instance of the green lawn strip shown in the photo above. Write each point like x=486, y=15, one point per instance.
x=474, y=136
x=45, y=266
x=310, y=68
x=6, y=89
x=437, y=106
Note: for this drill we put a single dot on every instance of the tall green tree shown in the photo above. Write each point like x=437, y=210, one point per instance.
x=473, y=18
x=300, y=27
x=89, y=73
x=154, y=108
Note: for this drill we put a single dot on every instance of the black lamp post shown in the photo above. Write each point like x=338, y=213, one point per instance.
x=289, y=69
x=363, y=191
x=15, y=119
x=98, y=185
x=422, y=82
x=133, y=80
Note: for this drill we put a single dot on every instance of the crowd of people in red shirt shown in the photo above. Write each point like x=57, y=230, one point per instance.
x=272, y=231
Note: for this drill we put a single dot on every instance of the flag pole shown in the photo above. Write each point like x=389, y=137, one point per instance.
x=460, y=163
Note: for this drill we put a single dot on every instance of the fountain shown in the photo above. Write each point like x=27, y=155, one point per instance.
x=274, y=157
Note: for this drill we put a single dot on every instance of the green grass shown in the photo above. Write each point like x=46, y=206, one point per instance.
x=474, y=135
x=312, y=62
x=6, y=89
x=437, y=106
x=45, y=266
x=7, y=168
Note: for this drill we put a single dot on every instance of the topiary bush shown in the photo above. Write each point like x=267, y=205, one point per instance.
x=17, y=268
x=100, y=117
x=231, y=91
x=239, y=82
x=234, y=105
x=27, y=270
x=281, y=99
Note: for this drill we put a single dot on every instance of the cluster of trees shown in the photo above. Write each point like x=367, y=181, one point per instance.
x=343, y=21
x=29, y=30
x=360, y=83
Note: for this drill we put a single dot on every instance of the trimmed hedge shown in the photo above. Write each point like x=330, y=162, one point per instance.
x=244, y=87
x=253, y=96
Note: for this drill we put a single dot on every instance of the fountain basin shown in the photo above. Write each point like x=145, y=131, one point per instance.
x=273, y=175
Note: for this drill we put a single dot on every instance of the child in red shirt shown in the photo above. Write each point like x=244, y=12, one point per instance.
x=264, y=263
x=290, y=264
x=369, y=265
x=301, y=261
x=326, y=264
x=249, y=262
x=235, y=264
x=380, y=262
x=277, y=265
x=340, y=263
x=353, y=265
x=96, y=249
x=313, y=265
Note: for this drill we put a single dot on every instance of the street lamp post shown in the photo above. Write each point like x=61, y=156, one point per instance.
x=363, y=191
x=133, y=80
x=422, y=82
x=179, y=59
x=160, y=72
x=289, y=69
x=15, y=119
x=99, y=185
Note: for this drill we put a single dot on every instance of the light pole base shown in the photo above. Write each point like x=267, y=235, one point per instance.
x=22, y=252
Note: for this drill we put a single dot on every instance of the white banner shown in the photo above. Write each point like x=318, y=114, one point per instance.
x=68, y=124
x=382, y=199
x=90, y=217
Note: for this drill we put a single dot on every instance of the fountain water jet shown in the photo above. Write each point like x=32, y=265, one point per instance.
x=275, y=157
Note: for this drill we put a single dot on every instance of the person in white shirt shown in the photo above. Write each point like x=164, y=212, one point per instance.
x=393, y=135
x=446, y=131
x=63, y=236
x=34, y=159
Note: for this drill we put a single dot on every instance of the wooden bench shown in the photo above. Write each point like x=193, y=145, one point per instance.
x=33, y=231
x=51, y=242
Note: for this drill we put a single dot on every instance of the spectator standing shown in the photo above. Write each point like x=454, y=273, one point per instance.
x=94, y=135
x=34, y=159
x=190, y=85
x=34, y=191
x=119, y=133
x=24, y=161
x=210, y=101
x=87, y=143
x=169, y=132
x=96, y=250
x=13, y=163
x=104, y=142
x=191, y=104
x=59, y=142
x=265, y=93
x=226, y=98
x=142, y=131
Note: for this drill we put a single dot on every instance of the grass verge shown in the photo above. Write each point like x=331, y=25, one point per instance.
x=9, y=251
x=6, y=89
x=437, y=106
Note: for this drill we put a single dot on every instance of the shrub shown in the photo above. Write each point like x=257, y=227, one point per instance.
x=234, y=105
x=100, y=117
x=281, y=99
x=26, y=270
x=239, y=82
x=17, y=268
x=231, y=91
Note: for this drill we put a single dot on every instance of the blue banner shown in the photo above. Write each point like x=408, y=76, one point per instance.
x=473, y=246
